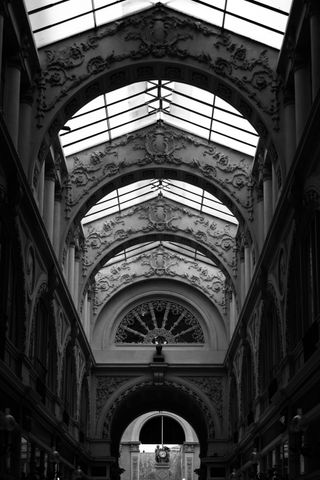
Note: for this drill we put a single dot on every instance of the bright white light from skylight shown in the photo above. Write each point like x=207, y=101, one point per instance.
x=55, y=20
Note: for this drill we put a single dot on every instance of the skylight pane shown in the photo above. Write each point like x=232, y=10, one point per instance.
x=59, y=13
x=35, y=4
x=183, y=200
x=120, y=10
x=257, y=13
x=234, y=144
x=220, y=103
x=186, y=188
x=85, y=132
x=235, y=121
x=132, y=126
x=86, y=143
x=194, y=92
x=188, y=127
x=79, y=122
x=198, y=10
x=255, y=32
x=284, y=5
x=125, y=92
x=106, y=11
x=191, y=104
x=93, y=105
x=230, y=131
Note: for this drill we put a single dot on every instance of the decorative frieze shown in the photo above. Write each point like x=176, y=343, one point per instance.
x=213, y=388
x=155, y=146
x=159, y=33
x=159, y=263
x=159, y=215
x=106, y=386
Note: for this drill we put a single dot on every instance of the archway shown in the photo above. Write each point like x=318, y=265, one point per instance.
x=168, y=432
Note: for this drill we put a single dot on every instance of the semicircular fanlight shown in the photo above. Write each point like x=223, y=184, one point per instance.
x=159, y=318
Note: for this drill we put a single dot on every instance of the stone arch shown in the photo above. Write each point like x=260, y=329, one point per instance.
x=150, y=238
x=213, y=325
x=175, y=395
x=154, y=219
x=134, y=434
x=239, y=70
x=112, y=279
x=155, y=151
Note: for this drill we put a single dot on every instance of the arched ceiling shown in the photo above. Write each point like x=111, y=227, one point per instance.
x=120, y=112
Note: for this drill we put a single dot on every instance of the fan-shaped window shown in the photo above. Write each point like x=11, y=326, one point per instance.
x=172, y=322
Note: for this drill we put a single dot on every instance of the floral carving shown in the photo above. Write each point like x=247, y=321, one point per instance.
x=106, y=386
x=156, y=145
x=159, y=263
x=160, y=215
x=212, y=387
x=157, y=33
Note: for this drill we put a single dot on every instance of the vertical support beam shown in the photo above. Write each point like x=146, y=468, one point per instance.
x=77, y=271
x=302, y=95
x=260, y=220
x=290, y=129
x=24, y=130
x=315, y=48
x=48, y=208
x=12, y=99
x=274, y=188
x=247, y=264
x=89, y=314
x=41, y=188
x=1, y=45
x=267, y=201
x=232, y=315
x=85, y=311
x=57, y=223
x=71, y=262
x=242, y=277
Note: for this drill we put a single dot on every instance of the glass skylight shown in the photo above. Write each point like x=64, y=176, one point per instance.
x=172, y=247
x=141, y=104
x=138, y=192
x=264, y=20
